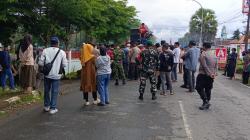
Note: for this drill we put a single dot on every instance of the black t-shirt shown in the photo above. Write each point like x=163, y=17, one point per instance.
x=166, y=61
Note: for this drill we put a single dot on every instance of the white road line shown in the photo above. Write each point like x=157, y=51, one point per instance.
x=187, y=129
x=244, y=85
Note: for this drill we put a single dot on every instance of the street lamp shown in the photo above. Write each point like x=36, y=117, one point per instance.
x=201, y=34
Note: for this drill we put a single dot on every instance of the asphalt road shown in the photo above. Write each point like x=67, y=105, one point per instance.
x=172, y=117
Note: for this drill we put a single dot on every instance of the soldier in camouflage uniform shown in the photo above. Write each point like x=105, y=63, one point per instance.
x=117, y=66
x=150, y=66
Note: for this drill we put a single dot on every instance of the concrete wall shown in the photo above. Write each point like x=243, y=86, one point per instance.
x=73, y=66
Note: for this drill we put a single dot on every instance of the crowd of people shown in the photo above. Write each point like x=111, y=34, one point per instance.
x=230, y=68
x=158, y=62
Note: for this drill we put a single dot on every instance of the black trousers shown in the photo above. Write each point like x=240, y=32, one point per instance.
x=204, y=86
x=185, y=76
x=126, y=69
x=133, y=71
x=245, y=77
x=86, y=96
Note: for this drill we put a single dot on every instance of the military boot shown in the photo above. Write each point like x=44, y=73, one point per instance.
x=117, y=82
x=124, y=82
x=141, y=96
x=154, y=96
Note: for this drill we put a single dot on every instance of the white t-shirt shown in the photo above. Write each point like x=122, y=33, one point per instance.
x=48, y=55
x=176, y=52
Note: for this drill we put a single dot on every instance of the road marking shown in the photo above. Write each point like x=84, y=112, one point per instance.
x=187, y=129
x=244, y=85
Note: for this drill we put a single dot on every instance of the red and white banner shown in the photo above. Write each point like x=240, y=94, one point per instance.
x=221, y=54
x=245, y=6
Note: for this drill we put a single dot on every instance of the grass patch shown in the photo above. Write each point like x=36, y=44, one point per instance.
x=28, y=99
x=72, y=75
x=9, y=93
x=3, y=114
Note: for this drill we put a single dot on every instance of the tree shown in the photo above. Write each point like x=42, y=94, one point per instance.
x=209, y=25
x=104, y=21
x=115, y=26
x=236, y=34
x=8, y=21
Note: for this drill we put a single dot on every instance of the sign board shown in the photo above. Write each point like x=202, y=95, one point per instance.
x=221, y=54
x=245, y=6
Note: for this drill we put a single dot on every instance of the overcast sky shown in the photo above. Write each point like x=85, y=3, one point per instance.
x=169, y=19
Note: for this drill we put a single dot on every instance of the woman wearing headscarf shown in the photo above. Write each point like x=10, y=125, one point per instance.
x=246, y=67
x=27, y=73
x=88, y=73
x=232, y=61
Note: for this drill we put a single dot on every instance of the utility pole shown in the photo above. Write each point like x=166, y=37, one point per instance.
x=247, y=31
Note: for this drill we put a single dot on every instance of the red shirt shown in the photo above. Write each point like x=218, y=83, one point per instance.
x=110, y=54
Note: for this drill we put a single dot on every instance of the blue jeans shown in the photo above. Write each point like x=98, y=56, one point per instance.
x=51, y=86
x=191, y=80
x=102, y=85
x=165, y=77
x=7, y=72
x=174, y=72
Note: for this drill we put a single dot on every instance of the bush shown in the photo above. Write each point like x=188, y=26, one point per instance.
x=239, y=69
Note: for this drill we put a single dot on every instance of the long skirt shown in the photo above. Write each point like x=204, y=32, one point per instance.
x=27, y=76
x=88, y=77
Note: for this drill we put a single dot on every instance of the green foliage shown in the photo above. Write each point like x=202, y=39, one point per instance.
x=239, y=66
x=236, y=34
x=72, y=75
x=103, y=21
x=209, y=24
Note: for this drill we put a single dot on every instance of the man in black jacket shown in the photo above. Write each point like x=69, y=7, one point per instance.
x=166, y=64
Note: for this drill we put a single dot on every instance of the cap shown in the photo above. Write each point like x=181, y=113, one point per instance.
x=149, y=43
x=54, y=40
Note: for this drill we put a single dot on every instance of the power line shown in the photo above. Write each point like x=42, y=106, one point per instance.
x=231, y=19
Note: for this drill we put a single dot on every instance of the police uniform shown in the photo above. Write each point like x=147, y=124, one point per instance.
x=117, y=66
x=150, y=64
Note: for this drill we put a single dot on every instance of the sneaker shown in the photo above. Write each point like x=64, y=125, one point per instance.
x=183, y=86
x=87, y=104
x=204, y=106
x=53, y=111
x=171, y=93
x=46, y=109
x=208, y=105
x=162, y=93
x=191, y=91
x=14, y=90
x=107, y=103
x=96, y=101
x=100, y=104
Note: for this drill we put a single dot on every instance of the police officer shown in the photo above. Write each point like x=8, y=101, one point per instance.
x=150, y=67
x=118, y=66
